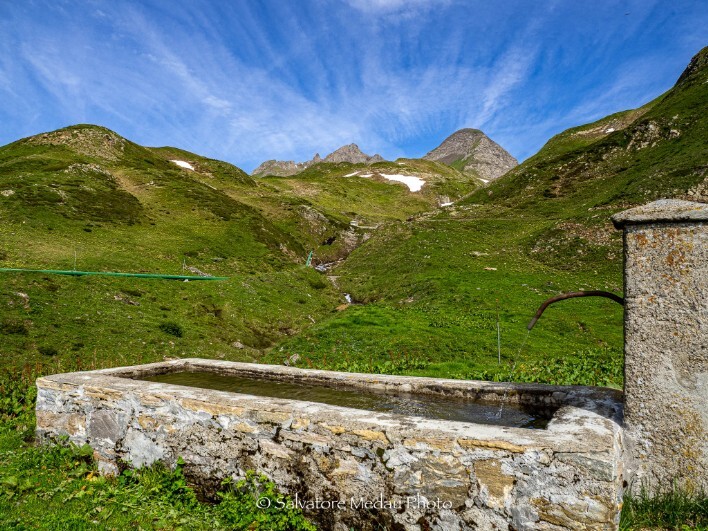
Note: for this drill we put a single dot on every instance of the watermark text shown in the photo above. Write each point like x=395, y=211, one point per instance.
x=354, y=503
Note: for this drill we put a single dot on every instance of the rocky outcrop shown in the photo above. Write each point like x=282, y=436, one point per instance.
x=352, y=153
x=349, y=153
x=89, y=140
x=282, y=168
x=471, y=151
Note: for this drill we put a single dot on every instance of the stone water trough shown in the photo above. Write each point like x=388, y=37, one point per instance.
x=563, y=461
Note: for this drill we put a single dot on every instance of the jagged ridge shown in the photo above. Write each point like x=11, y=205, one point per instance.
x=349, y=153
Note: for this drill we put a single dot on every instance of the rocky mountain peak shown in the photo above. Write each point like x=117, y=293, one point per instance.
x=470, y=150
x=279, y=167
x=350, y=153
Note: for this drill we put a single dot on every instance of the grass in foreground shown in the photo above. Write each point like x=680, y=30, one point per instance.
x=670, y=509
x=58, y=487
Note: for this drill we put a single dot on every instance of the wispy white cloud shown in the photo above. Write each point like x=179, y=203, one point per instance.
x=509, y=72
x=379, y=7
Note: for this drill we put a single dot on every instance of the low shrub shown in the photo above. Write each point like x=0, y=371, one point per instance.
x=172, y=328
x=255, y=503
x=48, y=351
x=13, y=326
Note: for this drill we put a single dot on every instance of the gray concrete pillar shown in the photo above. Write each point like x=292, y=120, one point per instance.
x=666, y=344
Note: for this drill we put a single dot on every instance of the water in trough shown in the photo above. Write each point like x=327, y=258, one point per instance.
x=417, y=405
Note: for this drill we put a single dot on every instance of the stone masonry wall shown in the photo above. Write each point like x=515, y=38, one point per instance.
x=432, y=474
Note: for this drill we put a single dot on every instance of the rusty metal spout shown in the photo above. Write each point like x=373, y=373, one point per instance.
x=563, y=296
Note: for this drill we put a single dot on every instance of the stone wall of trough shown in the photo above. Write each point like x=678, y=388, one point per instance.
x=377, y=469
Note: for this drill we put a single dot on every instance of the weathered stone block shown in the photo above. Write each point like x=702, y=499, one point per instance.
x=431, y=444
x=493, y=482
x=471, y=444
x=212, y=408
x=371, y=435
x=72, y=424
x=106, y=424
x=601, y=467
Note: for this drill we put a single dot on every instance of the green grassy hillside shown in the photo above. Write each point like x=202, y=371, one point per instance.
x=432, y=290
x=361, y=192
x=85, y=198
x=432, y=287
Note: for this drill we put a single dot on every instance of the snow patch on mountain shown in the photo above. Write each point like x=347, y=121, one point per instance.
x=413, y=183
x=183, y=164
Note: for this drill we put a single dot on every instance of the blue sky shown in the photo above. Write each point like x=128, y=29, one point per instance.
x=247, y=80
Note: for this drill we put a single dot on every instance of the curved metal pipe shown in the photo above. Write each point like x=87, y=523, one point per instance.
x=572, y=295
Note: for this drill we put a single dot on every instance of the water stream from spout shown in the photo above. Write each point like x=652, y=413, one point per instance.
x=499, y=413
x=523, y=344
